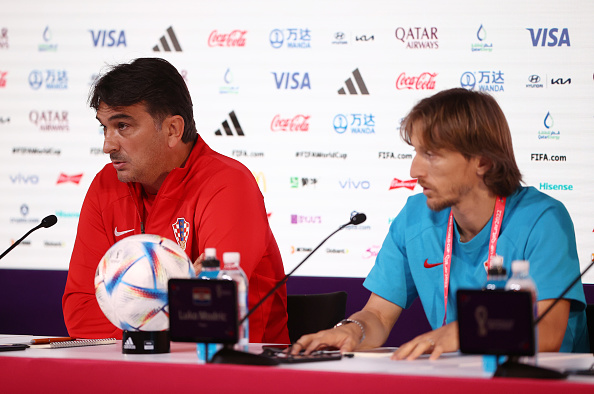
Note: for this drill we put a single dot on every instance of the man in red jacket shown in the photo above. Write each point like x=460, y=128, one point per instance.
x=164, y=179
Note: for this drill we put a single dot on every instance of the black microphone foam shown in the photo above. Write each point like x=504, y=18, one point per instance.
x=358, y=219
x=49, y=221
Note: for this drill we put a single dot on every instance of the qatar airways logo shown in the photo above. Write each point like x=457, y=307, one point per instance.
x=418, y=37
x=50, y=120
x=397, y=184
x=296, y=123
x=4, y=38
x=425, y=81
x=234, y=39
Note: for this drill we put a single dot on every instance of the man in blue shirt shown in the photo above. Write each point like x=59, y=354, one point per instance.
x=472, y=208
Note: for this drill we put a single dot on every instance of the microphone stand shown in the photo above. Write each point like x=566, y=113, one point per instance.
x=48, y=221
x=228, y=355
x=512, y=368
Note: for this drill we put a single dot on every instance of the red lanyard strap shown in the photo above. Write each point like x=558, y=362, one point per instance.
x=447, y=253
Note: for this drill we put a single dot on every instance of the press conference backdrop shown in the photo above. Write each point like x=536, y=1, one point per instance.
x=307, y=94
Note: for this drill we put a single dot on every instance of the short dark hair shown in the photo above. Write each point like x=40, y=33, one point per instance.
x=471, y=123
x=152, y=81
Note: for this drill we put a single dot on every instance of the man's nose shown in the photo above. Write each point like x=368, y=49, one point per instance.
x=416, y=167
x=109, y=143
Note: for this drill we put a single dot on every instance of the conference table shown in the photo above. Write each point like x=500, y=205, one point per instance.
x=104, y=368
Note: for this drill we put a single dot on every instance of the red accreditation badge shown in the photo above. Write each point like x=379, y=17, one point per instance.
x=181, y=230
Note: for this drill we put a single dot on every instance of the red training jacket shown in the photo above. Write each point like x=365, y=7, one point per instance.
x=221, y=201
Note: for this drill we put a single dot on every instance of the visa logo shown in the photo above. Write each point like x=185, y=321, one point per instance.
x=350, y=184
x=549, y=37
x=26, y=179
x=291, y=80
x=108, y=38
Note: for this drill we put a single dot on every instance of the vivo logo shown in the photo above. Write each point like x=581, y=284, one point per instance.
x=288, y=80
x=350, y=184
x=26, y=179
x=549, y=37
x=108, y=38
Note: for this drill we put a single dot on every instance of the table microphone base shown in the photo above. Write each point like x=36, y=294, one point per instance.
x=230, y=356
x=514, y=369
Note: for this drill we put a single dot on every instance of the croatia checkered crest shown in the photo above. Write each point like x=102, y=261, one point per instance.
x=131, y=281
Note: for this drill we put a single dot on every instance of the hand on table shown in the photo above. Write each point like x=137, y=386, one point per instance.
x=436, y=342
x=345, y=338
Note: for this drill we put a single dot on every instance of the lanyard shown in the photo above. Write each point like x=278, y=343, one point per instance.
x=447, y=253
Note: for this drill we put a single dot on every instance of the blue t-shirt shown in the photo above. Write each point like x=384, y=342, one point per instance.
x=535, y=227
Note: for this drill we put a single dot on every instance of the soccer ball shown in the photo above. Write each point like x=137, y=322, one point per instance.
x=131, y=281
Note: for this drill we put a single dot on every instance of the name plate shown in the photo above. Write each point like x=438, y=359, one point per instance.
x=495, y=322
x=203, y=310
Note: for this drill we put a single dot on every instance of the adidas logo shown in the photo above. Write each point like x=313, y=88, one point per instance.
x=129, y=344
x=227, y=128
x=165, y=44
x=351, y=86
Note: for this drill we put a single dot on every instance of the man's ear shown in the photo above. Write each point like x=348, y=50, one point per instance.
x=484, y=165
x=174, y=127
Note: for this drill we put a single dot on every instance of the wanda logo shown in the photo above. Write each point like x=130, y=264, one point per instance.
x=422, y=82
x=297, y=123
x=234, y=39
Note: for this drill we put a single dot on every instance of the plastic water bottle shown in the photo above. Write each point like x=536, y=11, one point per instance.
x=496, y=280
x=522, y=281
x=232, y=271
x=211, y=265
x=496, y=275
x=210, y=270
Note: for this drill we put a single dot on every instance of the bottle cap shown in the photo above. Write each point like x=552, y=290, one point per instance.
x=210, y=258
x=210, y=253
x=231, y=259
x=496, y=267
x=520, y=266
x=497, y=261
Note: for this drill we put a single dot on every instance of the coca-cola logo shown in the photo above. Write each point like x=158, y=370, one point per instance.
x=234, y=39
x=297, y=123
x=422, y=82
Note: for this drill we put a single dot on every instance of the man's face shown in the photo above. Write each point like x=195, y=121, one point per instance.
x=135, y=146
x=445, y=175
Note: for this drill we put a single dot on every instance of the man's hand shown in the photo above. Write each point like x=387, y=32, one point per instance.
x=436, y=342
x=377, y=319
x=198, y=264
x=345, y=338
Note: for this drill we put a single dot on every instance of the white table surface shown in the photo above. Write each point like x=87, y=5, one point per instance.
x=449, y=365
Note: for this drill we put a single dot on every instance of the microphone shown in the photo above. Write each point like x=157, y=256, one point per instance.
x=514, y=369
x=47, y=221
x=356, y=218
x=230, y=356
x=564, y=292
